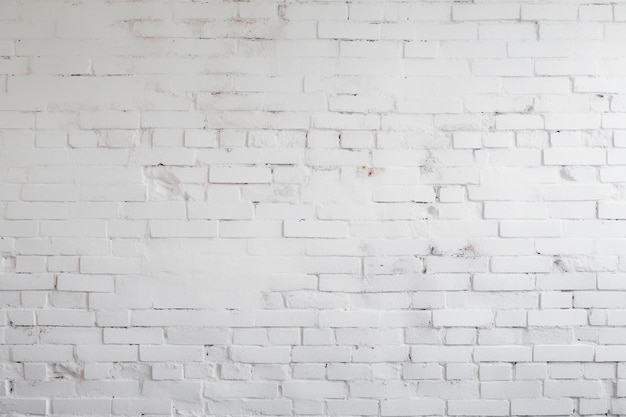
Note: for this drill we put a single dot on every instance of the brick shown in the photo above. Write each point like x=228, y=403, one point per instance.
x=525, y=264
x=461, y=318
x=97, y=353
x=411, y=407
x=478, y=408
x=549, y=12
x=541, y=407
x=83, y=406
x=133, y=336
x=109, y=265
x=42, y=353
x=574, y=156
x=186, y=229
x=159, y=406
x=315, y=229
x=315, y=389
x=486, y=12
x=109, y=120
x=154, y=353
x=441, y=354
x=610, y=353
x=557, y=318
x=250, y=354
x=240, y=175
x=313, y=208
x=502, y=354
x=65, y=318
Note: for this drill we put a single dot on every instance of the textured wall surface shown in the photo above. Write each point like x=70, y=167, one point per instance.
x=367, y=208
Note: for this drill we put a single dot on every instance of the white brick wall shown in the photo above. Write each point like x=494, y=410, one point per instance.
x=312, y=208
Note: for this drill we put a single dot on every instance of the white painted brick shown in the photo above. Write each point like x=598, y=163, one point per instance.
x=157, y=406
x=200, y=139
x=478, y=407
x=518, y=122
x=462, y=318
x=108, y=120
x=67, y=335
x=503, y=282
x=564, y=371
x=591, y=389
x=191, y=336
x=253, y=354
x=361, y=407
x=347, y=372
x=515, y=389
x=133, y=336
x=21, y=317
x=315, y=229
x=42, y=388
x=225, y=211
x=563, y=353
x=541, y=406
x=495, y=372
x=610, y=353
x=549, y=12
x=611, y=210
x=35, y=371
x=83, y=406
x=555, y=300
x=312, y=208
x=557, y=318
x=423, y=406
x=599, y=370
x=525, y=264
x=449, y=389
x=24, y=405
x=240, y=175
x=578, y=281
x=530, y=371
x=113, y=318
x=573, y=156
x=381, y=354
x=502, y=354
x=179, y=228
x=153, y=210
x=172, y=119
x=594, y=12
x=309, y=371
x=562, y=67
x=511, y=318
x=486, y=12
x=460, y=336
x=460, y=371
x=98, y=353
x=42, y=353
x=348, y=318
x=313, y=389
x=619, y=13
x=94, y=283
x=65, y=318
x=441, y=354
x=593, y=406
x=316, y=11
x=586, y=31
x=391, y=389
x=109, y=265
x=422, y=371
x=611, y=281
x=154, y=353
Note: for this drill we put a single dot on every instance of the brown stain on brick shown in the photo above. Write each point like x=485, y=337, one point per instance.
x=370, y=172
